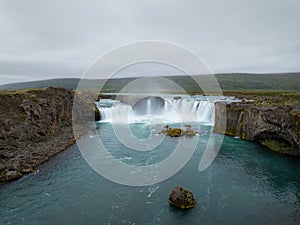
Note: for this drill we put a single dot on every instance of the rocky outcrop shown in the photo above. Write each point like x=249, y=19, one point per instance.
x=182, y=198
x=177, y=132
x=35, y=125
x=274, y=124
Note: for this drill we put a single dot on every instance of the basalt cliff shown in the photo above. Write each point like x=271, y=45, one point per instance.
x=35, y=125
x=273, y=121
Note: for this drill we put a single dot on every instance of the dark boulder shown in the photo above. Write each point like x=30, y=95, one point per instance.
x=97, y=114
x=182, y=198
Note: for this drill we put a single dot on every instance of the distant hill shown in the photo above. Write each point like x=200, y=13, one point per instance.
x=228, y=82
x=282, y=81
x=68, y=83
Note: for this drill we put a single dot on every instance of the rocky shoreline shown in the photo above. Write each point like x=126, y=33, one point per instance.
x=273, y=121
x=35, y=125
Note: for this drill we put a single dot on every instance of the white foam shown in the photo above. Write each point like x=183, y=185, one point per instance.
x=198, y=109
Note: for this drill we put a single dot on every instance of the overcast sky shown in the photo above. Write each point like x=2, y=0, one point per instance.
x=61, y=38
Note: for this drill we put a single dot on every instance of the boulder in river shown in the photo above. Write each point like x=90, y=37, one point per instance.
x=182, y=198
x=177, y=132
x=174, y=132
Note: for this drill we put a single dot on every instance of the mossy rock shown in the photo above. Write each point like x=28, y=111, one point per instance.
x=174, y=132
x=97, y=114
x=182, y=198
x=280, y=147
x=13, y=175
x=177, y=132
x=29, y=169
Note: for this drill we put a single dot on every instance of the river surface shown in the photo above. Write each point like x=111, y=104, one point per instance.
x=245, y=184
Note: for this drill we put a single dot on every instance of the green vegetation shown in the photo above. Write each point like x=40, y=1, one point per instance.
x=68, y=83
x=261, y=84
x=279, y=147
x=277, y=82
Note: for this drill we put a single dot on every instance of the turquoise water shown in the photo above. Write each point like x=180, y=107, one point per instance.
x=246, y=184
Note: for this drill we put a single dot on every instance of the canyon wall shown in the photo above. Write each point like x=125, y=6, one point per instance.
x=35, y=125
x=274, y=125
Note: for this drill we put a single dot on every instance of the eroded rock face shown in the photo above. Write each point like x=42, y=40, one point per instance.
x=182, y=198
x=276, y=126
x=35, y=125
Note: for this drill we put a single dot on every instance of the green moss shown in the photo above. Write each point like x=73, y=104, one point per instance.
x=13, y=177
x=22, y=116
x=231, y=132
x=279, y=147
x=2, y=173
x=242, y=130
x=174, y=132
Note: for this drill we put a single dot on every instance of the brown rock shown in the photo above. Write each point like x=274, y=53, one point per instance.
x=36, y=124
x=182, y=198
x=13, y=175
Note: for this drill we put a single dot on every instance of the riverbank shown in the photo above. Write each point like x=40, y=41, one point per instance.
x=35, y=125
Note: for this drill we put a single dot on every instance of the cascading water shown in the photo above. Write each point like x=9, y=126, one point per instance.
x=118, y=113
x=169, y=111
x=148, y=109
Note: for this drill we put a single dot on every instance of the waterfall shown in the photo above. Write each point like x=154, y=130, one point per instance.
x=168, y=110
x=119, y=113
x=148, y=109
x=238, y=129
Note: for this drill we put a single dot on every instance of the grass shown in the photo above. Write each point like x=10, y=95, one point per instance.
x=277, y=146
x=258, y=83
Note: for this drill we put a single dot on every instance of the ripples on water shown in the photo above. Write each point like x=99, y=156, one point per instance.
x=246, y=184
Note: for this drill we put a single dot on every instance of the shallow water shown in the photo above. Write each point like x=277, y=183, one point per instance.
x=246, y=184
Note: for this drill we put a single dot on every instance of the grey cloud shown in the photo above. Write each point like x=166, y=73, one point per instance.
x=47, y=39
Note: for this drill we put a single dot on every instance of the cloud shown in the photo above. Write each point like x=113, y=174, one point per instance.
x=48, y=39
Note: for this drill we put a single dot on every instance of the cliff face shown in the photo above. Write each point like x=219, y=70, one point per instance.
x=35, y=125
x=274, y=125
